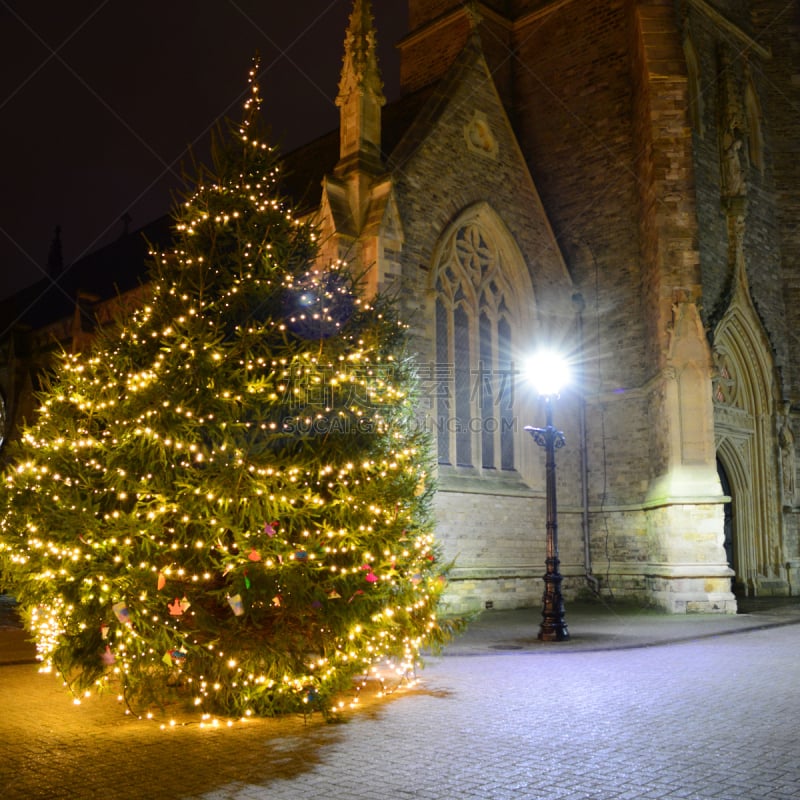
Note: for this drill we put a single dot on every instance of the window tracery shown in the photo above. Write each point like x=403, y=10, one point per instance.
x=474, y=324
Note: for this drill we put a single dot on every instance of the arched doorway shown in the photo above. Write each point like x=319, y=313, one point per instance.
x=744, y=406
x=728, y=528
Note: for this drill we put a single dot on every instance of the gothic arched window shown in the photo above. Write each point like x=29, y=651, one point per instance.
x=474, y=321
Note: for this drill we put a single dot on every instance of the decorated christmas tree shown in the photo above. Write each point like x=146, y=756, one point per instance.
x=226, y=501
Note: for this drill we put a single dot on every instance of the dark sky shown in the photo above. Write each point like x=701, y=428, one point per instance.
x=99, y=100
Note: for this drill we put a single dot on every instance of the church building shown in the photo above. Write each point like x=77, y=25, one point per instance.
x=617, y=180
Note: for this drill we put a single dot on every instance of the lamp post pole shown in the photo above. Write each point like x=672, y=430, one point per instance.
x=554, y=625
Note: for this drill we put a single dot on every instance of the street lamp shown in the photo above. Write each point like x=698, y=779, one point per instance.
x=548, y=373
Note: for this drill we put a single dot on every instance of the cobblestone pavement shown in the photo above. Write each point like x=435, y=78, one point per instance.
x=712, y=717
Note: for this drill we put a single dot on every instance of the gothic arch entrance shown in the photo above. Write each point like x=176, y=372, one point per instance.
x=744, y=414
x=728, y=525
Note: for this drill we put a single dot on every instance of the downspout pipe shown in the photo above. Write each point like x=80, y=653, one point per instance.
x=593, y=581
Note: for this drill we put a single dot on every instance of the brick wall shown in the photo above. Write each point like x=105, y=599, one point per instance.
x=574, y=115
x=421, y=12
x=777, y=25
x=426, y=58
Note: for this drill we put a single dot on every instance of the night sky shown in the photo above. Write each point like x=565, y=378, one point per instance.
x=101, y=99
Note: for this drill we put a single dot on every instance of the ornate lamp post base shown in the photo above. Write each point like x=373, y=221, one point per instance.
x=553, y=627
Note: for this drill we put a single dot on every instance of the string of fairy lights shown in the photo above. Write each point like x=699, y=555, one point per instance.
x=225, y=498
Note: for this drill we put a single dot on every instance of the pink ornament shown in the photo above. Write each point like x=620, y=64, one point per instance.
x=175, y=608
x=107, y=657
x=372, y=577
x=270, y=528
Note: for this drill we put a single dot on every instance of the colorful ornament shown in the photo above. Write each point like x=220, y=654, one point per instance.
x=122, y=613
x=254, y=555
x=301, y=555
x=178, y=607
x=171, y=656
x=246, y=580
x=104, y=631
x=270, y=528
x=175, y=608
x=236, y=605
x=333, y=595
x=276, y=601
x=107, y=657
x=371, y=577
x=162, y=581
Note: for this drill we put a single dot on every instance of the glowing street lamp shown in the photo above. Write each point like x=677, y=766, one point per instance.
x=548, y=373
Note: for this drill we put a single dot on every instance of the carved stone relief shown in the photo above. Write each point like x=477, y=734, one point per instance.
x=479, y=136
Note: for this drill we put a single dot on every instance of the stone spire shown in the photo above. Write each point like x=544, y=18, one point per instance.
x=360, y=95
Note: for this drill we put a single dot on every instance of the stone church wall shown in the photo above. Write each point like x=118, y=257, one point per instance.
x=609, y=147
x=763, y=240
x=576, y=130
x=778, y=82
x=501, y=529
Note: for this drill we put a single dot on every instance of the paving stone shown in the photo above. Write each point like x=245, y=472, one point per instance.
x=700, y=717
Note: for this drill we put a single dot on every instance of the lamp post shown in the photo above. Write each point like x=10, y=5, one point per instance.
x=548, y=374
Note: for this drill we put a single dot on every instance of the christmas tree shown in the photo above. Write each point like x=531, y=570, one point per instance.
x=226, y=501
